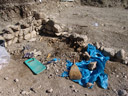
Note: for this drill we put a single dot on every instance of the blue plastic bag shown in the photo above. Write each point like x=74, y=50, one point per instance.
x=91, y=76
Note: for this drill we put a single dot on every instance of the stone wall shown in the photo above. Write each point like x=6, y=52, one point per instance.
x=29, y=28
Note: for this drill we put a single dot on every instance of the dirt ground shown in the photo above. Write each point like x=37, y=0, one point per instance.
x=112, y=31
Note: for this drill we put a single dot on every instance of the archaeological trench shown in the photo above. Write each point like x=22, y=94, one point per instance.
x=37, y=25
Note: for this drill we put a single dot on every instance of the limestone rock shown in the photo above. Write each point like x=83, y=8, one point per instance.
x=25, y=25
x=49, y=90
x=26, y=31
x=39, y=15
x=33, y=34
x=17, y=33
x=21, y=33
x=121, y=54
x=8, y=36
x=9, y=42
x=92, y=65
x=79, y=37
x=15, y=28
x=15, y=40
x=1, y=37
x=109, y=52
x=86, y=56
x=97, y=45
x=27, y=36
x=8, y=30
x=32, y=39
x=57, y=28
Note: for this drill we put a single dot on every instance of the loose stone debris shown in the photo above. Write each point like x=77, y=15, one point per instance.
x=49, y=90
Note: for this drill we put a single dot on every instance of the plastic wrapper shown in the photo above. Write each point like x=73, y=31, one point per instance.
x=88, y=76
x=4, y=57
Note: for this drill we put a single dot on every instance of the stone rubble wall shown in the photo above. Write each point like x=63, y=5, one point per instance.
x=28, y=29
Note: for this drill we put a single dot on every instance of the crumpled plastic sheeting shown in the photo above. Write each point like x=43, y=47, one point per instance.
x=91, y=76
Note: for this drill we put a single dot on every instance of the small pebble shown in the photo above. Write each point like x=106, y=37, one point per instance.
x=125, y=76
x=75, y=90
x=24, y=92
x=113, y=72
x=117, y=76
x=86, y=94
x=72, y=86
x=49, y=90
x=57, y=70
x=122, y=92
x=6, y=78
x=16, y=80
x=33, y=89
x=125, y=62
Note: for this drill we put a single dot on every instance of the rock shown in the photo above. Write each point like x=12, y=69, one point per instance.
x=48, y=67
x=121, y=54
x=32, y=40
x=8, y=30
x=6, y=78
x=86, y=56
x=72, y=86
x=16, y=80
x=15, y=40
x=27, y=36
x=15, y=28
x=48, y=27
x=86, y=94
x=17, y=33
x=8, y=36
x=49, y=90
x=57, y=28
x=1, y=37
x=21, y=33
x=64, y=34
x=39, y=15
x=24, y=92
x=117, y=76
x=122, y=93
x=50, y=32
x=26, y=31
x=9, y=42
x=102, y=48
x=109, y=52
x=89, y=84
x=25, y=25
x=92, y=65
x=33, y=89
x=125, y=62
x=79, y=49
x=125, y=76
x=79, y=37
x=75, y=90
x=37, y=23
x=33, y=34
x=97, y=45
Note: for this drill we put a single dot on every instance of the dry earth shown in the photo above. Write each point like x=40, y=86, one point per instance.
x=112, y=31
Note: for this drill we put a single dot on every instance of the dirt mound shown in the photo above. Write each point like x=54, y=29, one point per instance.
x=106, y=3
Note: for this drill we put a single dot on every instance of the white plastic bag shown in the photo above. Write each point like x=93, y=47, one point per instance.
x=4, y=57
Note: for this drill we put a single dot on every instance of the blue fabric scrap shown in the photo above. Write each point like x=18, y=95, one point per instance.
x=91, y=76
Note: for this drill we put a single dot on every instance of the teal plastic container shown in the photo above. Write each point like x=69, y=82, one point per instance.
x=35, y=65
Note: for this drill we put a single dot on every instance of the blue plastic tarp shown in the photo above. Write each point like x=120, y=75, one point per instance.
x=91, y=76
